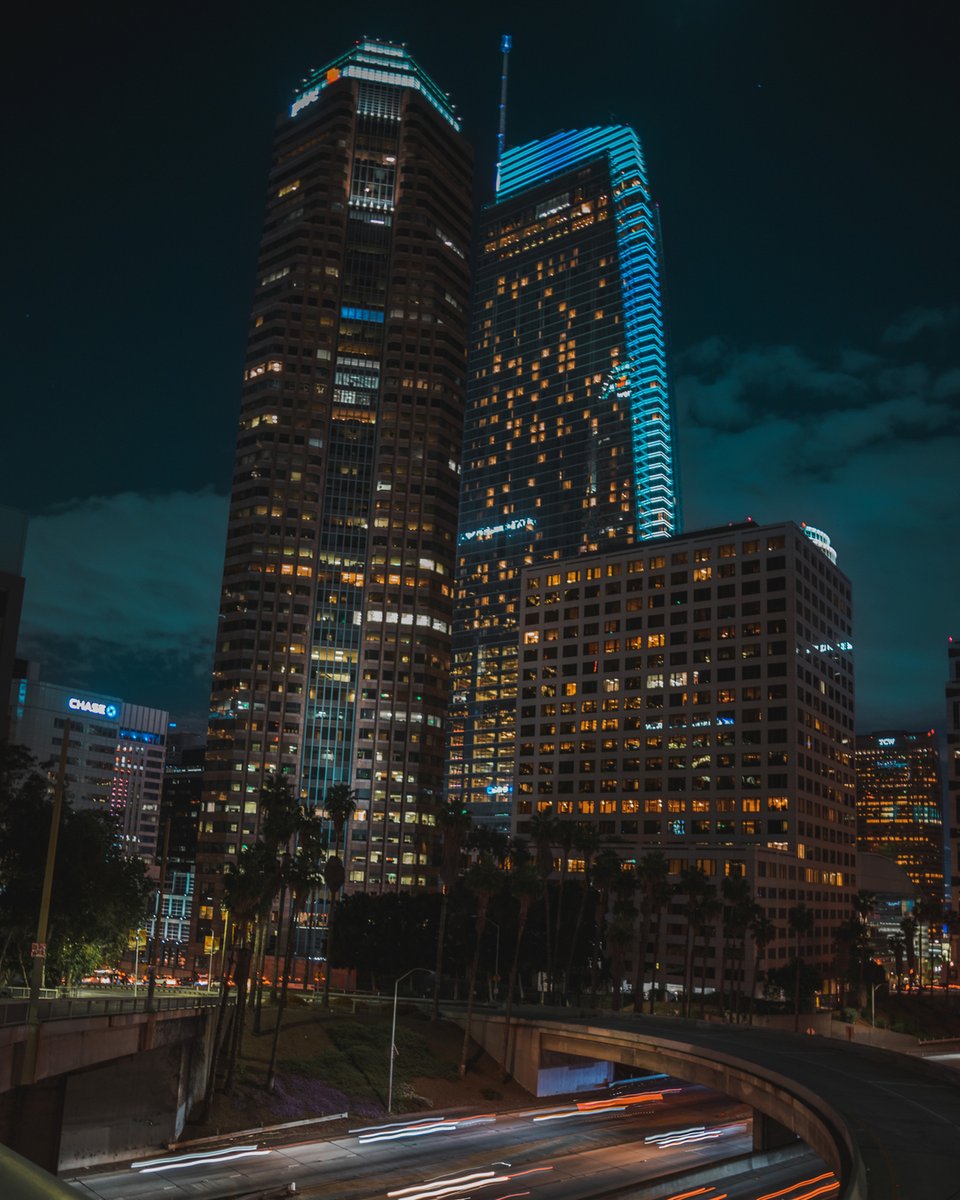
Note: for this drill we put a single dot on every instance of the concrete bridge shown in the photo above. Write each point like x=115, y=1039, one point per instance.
x=887, y=1124
x=104, y=1078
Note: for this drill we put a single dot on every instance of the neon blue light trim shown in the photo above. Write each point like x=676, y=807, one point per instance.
x=377, y=62
x=349, y=313
x=641, y=377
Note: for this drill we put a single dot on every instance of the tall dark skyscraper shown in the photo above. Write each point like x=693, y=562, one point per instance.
x=569, y=431
x=333, y=652
x=900, y=806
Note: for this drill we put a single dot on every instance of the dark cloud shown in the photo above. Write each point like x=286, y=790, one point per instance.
x=917, y=321
x=122, y=594
x=873, y=461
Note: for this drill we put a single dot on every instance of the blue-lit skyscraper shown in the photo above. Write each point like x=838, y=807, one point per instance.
x=569, y=430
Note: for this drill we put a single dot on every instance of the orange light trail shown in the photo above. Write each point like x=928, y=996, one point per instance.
x=803, y=1183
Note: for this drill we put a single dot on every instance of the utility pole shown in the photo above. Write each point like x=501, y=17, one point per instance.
x=152, y=968
x=38, y=951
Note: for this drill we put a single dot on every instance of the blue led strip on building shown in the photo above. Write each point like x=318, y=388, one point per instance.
x=642, y=376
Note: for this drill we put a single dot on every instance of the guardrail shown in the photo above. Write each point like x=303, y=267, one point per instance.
x=14, y=1011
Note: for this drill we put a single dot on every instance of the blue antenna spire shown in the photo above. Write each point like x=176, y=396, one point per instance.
x=506, y=42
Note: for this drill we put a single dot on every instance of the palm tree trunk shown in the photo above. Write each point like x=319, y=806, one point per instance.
x=511, y=985
x=275, y=986
x=578, y=924
x=239, y=1012
x=656, y=958
x=329, y=971
x=438, y=966
x=282, y=1003
x=640, y=962
x=547, y=923
x=462, y=1070
x=757, y=959
x=688, y=972
x=217, y=1040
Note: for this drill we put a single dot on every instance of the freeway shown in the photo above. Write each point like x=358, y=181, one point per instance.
x=566, y=1150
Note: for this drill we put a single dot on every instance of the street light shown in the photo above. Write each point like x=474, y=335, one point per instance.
x=873, y=993
x=393, y=1031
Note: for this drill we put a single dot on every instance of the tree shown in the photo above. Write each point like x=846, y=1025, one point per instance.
x=526, y=886
x=454, y=824
x=482, y=879
x=737, y=910
x=908, y=927
x=763, y=931
x=565, y=835
x=587, y=844
x=607, y=878
x=696, y=889
x=543, y=831
x=801, y=922
x=98, y=895
x=303, y=871
x=898, y=947
x=651, y=878
x=340, y=804
x=278, y=817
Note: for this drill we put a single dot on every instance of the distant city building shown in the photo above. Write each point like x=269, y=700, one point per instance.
x=953, y=768
x=180, y=805
x=569, y=431
x=116, y=752
x=333, y=653
x=899, y=804
x=696, y=696
x=13, y=532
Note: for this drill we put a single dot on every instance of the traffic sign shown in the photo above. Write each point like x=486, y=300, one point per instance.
x=38, y=949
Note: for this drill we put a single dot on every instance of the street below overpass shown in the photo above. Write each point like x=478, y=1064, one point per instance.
x=568, y=1149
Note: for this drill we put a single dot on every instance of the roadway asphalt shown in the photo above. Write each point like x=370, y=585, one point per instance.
x=902, y=1111
x=543, y=1153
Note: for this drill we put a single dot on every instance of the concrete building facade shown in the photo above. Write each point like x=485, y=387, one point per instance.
x=696, y=696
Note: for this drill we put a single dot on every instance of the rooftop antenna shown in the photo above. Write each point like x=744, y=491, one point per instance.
x=505, y=44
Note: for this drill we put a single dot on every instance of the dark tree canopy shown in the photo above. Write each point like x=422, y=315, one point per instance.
x=98, y=895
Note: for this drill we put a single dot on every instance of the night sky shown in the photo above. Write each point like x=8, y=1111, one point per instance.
x=805, y=159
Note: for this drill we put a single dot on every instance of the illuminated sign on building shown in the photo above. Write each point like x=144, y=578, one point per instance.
x=499, y=789
x=489, y=531
x=97, y=708
x=886, y=741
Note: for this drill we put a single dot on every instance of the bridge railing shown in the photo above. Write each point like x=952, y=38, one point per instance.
x=14, y=1011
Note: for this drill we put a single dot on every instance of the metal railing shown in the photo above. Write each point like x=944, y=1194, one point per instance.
x=13, y=1011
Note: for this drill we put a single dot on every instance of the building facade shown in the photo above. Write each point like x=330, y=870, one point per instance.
x=569, y=431
x=115, y=757
x=953, y=771
x=695, y=696
x=332, y=656
x=899, y=804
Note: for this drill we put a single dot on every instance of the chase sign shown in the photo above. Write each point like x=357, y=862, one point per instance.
x=96, y=708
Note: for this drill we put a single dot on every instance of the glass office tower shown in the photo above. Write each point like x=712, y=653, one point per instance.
x=569, y=431
x=333, y=651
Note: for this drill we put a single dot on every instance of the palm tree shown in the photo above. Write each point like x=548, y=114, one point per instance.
x=278, y=815
x=763, y=931
x=650, y=876
x=801, y=921
x=587, y=845
x=303, y=875
x=454, y=824
x=619, y=935
x=908, y=927
x=482, y=879
x=566, y=832
x=696, y=888
x=737, y=903
x=526, y=885
x=543, y=830
x=340, y=804
x=607, y=877
x=898, y=948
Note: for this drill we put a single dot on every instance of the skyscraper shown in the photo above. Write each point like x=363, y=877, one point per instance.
x=569, y=431
x=332, y=656
x=696, y=696
x=953, y=769
x=899, y=804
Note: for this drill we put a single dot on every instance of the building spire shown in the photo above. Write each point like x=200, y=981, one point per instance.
x=506, y=42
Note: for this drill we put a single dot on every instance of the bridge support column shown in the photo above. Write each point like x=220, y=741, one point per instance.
x=769, y=1134
x=31, y=1119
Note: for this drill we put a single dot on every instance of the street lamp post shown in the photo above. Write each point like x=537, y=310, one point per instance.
x=873, y=993
x=393, y=1031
